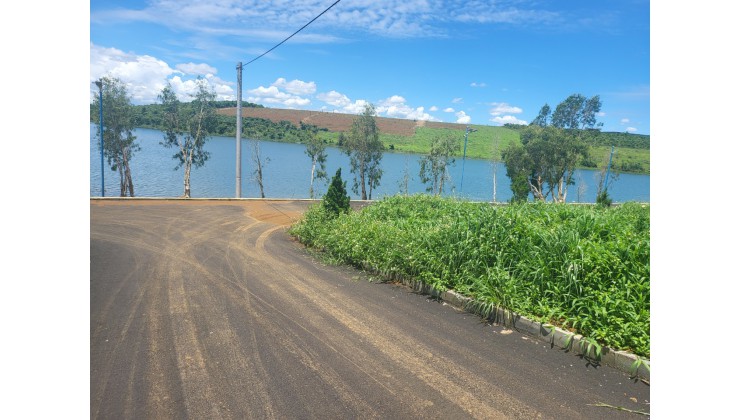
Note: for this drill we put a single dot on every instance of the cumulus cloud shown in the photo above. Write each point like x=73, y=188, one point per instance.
x=449, y=110
x=624, y=121
x=396, y=107
x=273, y=95
x=631, y=129
x=433, y=108
x=457, y=100
x=355, y=107
x=508, y=119
x=145, y=76
x=334, y=98
x=462, y=118
x=500, y=108
x=478, y=85
x=393, y=100
x=296, y=87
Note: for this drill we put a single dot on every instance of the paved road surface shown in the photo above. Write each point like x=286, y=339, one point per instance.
x=208, y=310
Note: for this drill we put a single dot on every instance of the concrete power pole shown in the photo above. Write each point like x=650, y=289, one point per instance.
x=239, y=130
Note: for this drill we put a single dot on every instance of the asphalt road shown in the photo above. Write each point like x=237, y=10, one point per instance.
x=209, y=310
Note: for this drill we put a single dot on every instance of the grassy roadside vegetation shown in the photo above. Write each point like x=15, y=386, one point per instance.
x=583, y=268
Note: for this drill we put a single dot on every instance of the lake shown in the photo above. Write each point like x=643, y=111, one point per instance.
x=287, y=174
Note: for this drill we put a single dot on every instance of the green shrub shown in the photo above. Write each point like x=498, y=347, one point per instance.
x=583, y=268
x=336, y=200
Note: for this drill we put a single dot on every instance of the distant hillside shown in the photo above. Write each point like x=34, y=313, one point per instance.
x=337, y=122
x=632, y=151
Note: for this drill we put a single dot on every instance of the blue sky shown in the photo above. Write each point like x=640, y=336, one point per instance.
x=476, y=62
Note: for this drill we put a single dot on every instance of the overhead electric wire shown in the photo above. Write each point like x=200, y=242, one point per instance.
x=291, y=36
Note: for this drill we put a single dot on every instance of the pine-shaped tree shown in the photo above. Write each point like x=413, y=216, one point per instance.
x=336, y=200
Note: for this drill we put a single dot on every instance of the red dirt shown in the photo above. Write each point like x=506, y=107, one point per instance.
x=337, y=122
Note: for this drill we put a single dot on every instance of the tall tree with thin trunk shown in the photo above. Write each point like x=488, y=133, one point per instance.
x=433, y=167
x=119, y=142
x=188, y=126
x=316, y=151
x=365, y=150
x=259, y=163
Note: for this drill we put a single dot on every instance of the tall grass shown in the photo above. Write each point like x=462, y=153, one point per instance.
x=583, y=268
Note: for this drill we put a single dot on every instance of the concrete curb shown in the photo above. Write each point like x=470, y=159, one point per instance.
x=577, y=344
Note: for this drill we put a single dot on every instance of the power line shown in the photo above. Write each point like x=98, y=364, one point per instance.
x=303, y=27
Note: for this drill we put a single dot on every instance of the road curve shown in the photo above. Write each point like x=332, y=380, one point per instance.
x=207, y=309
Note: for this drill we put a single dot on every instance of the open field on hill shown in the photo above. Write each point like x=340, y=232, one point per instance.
x=336, y=122
x=410, y=136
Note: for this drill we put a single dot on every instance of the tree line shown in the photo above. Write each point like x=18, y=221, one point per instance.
x=541, y=166
x=187, y=127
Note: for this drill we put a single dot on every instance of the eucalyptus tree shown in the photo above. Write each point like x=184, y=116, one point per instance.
x=542, y=117
x=433, y=168
x=316, y=151
x=119, y=142
x=554, y=154
x=519, y=170
x=259, y=163
x=188, y=126
x=577, y=112
x=365, y=150
x=549, y=153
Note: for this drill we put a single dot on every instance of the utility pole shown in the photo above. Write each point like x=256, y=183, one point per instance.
x=99, y=83
x=465, y=151
x=239, y=130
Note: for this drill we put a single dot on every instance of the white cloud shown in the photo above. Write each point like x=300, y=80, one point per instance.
x=396, y=107
x=500, y=108
x=393, y=100
x=433, y=108
x=507, y=119
x=457, y=100
x=145, y=76
x=334, y=98
x=389, y=18
x=355, y=107
x=201, y=69
x=296, y=87
x=272, y=95
x=624, y=121
x=478, y=85
x=462, y=118
x=631, y=129
x=449, y=110
x=341, y=103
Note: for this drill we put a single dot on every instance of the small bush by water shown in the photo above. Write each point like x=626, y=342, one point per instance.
x=583, y=268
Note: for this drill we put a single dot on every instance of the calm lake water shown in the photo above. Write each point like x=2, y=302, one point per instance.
x=287, y=174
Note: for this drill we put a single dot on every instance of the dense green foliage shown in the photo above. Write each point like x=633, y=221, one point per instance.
x=336, y=200
x=584, y=268
x=546, y=159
